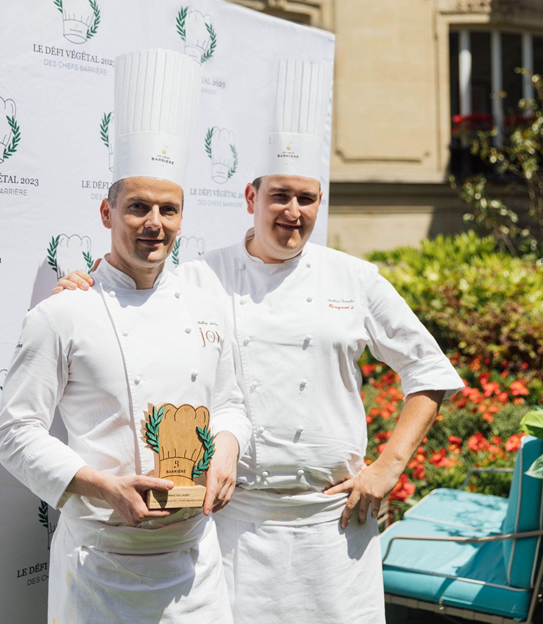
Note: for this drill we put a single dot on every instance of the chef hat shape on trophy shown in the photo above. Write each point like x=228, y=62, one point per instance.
x=78, y=16
x=7, y=112
x=303, y=95
x=180, y=445
x=156, y=101
x=197, y=35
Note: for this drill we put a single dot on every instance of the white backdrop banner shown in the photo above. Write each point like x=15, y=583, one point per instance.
x=56, y=147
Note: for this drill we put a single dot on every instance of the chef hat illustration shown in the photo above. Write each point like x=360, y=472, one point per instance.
x=7, y=109
x=156, y=100
x=303, y=95
x=190, y=248
x=222, y=154
x=78, y=17
x=73, y=253
x=197, y=35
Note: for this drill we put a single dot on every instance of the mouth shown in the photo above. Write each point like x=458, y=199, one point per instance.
x=288, y=227
x=150, y=242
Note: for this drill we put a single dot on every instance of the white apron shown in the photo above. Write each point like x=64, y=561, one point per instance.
x=301, y=327
x=103, y=357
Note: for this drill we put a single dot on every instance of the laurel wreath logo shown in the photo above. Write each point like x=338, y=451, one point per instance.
x=52, y=252
x=213, y=44
x=151, y=434
x=175, y=252
x=15, y=138
x=43, y=514
x=104, y=128
x=180, y=27
x=52, y=255
x=180, y=22
x=88, y=259
x=209, y=450
x=95, y=22
x=233, y=168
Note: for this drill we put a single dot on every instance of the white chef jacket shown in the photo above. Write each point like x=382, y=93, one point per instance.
x=103, y=357
x=301, y=327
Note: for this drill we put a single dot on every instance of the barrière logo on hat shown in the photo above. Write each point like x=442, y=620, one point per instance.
x=220, y=148
x=196, y=30
x=106, y=130
x=81, y=19
x=10, y=133
x=69, y=253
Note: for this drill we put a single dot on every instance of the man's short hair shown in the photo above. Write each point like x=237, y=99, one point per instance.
x=113, y=192
x=257, y=182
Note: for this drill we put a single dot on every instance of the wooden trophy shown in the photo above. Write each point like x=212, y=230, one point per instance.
x=183, y=446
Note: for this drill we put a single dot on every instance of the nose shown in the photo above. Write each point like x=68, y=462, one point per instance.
x=292, y=211
x=153, y=218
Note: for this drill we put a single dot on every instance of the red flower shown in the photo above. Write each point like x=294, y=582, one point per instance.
x=519, y=387
x=419, y=472
x=383, y=435
x=402, y=490
x=368, y=369
x=477, y=443
x=440, y=461
x=513, y=444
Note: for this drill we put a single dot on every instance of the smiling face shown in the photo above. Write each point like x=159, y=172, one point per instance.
x=144, y=219
x=285, y=209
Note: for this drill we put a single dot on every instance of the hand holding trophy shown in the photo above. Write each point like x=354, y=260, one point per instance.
x=184, y=446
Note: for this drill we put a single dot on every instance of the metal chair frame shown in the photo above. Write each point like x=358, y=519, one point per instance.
x=452, y=612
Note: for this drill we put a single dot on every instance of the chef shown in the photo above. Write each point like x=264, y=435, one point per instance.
x=104, y=357
x=299, y=538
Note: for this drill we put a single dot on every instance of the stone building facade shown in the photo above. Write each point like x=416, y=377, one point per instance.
x=404, y=69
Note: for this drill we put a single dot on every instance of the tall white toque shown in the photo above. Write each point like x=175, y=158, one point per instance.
x=304, y=89
x=156, y=101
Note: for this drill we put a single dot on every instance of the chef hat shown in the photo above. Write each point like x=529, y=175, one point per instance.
x=156, y=97
x=301, y=109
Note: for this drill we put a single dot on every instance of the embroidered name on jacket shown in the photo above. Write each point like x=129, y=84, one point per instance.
x=341, y=304
x=208, y=333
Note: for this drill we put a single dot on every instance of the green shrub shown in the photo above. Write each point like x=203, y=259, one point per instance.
x=473, y=299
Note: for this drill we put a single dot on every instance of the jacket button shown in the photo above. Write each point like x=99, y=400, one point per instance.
x=194, y=374
x=188, y=330
x=242, y=301
x=112, y=293
x=265, y=474
x=125, y=332
x=254, y=386
x=308, y=338
x=246, y=341
x=261, y=430
x=300, y=429
x=301, y=472
x=308, y=265
x=137, y=380
x=303, y=384
x=309, y=299
x=242, y=267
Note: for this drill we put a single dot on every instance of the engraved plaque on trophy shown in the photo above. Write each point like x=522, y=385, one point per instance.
x=183, y=446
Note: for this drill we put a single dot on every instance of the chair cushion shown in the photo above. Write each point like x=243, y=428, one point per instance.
x=524, y=513
x=468, y=576
x=461, y=509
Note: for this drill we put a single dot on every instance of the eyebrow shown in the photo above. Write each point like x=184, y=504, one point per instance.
x=279, y=189
x=147, y=200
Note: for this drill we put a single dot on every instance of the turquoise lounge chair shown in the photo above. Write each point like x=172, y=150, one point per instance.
x=471, y=555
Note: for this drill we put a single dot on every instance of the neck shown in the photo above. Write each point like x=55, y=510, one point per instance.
x=257, y=250
x=144, y=277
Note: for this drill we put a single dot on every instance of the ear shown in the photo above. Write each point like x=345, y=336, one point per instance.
x=320, y=198
x=105, y=213
x=250, y=197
